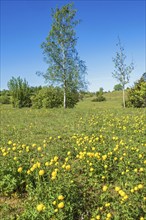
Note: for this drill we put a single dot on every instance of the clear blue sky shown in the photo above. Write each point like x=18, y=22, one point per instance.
x=25, y=25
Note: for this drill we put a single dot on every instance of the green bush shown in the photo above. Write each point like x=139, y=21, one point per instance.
x=48, y=97
x=4, y=99
x=137, y=95
x=99, y=98
x=52, y=97
x=72, y=99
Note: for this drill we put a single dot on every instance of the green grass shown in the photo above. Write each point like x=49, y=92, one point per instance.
x=96, y=145
x=27, y=125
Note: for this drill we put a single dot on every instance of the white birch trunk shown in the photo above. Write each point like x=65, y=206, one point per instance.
x=123, y=97
x=64, y=101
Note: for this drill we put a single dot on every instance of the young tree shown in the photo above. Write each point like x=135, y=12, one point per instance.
x=20, y=92
x=122, y=71
x=65, y=67
x=118, y=87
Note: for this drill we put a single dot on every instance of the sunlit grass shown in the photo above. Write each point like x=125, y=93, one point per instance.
x=83, y=163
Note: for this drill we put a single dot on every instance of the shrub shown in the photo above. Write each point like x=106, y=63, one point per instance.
x=99, y=98
x=20, y=92
x=4, y=99
x=72, y=98
x=52, y=97
x=137, y=95
x=48, y=97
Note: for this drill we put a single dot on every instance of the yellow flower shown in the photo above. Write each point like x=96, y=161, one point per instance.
x=40, y=207
x=9, y=142
x=117, y=188
x=122, y=193
x=91, y=169
x=109, y=215
x=35, y=166
x=39, y=148
x=67, y=167
x=140, y=186
x=61, y=197
x=68, y=153
x=98, y=217
x=54, y=174
x=141, y=218
x=47, y=164
x=32, y=169
x=63, y=166
x=107, y=204
x=38, y=164
x=104, y=157
x=55, y=158
x=104, y=188
x=41, y=172
x=28, y=172
x=54, y=202
x=141, y=169
x=125, y=197
x=61, y=205
x=19, y=169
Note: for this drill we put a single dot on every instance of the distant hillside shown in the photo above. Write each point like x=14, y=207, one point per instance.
x=113, y=100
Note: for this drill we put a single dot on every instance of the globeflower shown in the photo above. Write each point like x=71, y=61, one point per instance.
x=19, y=169
x=67, y=167
x=61, y=205
x=41, y=172
x=117, y=188
x=54, y=202
x=40, y=207
x=109, y=215
x=104, y=188
x=61, y=197
x=39, y=148
x=140, y=186
x=55, y=158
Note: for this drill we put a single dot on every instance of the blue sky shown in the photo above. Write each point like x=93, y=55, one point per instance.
x=26, y=24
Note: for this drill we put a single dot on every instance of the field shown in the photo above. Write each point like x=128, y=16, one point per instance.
x=85, y=163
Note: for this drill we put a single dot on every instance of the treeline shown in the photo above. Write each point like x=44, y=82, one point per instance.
x=20, y=95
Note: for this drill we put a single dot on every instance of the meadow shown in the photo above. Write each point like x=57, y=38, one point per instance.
x=85, y=163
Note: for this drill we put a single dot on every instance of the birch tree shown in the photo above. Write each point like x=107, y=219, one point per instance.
x=122, y=70
x=65, y=68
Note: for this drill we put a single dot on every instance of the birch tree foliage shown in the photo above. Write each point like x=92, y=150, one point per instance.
x=65, y=68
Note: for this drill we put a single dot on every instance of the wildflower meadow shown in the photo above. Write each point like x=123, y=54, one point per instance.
x=83, y=163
